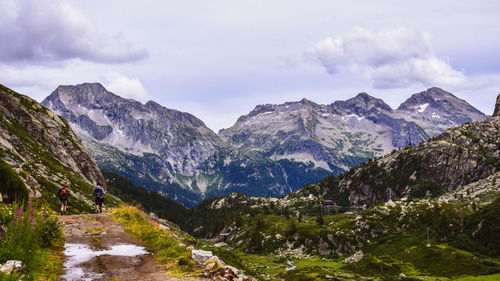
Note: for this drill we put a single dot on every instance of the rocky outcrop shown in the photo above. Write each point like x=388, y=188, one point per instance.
x=42, y=148
x=50, y=132
x=457, y=157
x=497, y=107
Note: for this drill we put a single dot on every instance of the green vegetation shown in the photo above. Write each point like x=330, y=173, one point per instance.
x=33, y=236
x=165, y=244
x=151, y=201
x=12, y=187
x=482, y=231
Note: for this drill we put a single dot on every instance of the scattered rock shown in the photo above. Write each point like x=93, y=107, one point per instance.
x=218, y=270
x=219, y=245
x=201, y=256
x=164, y=227
x=11, y=266
x=355, y=257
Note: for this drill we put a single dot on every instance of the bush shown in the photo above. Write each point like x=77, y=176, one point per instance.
x=12, y=185
x=50, y=232
x=28, y=231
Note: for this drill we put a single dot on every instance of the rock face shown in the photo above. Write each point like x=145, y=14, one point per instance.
x=343, y=134
x=497, y=107
x=455, y=158
x=42, y=148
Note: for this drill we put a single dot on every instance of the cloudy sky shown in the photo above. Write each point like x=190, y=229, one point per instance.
x=218, y=59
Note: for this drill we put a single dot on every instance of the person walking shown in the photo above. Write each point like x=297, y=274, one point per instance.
x=63, y=195
x=99, y=198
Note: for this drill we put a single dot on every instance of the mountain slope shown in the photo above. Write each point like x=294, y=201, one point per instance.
x=41, y=147
x=346, y=133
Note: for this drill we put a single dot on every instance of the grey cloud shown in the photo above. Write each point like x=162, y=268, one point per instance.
x=33, y=30
x=390, y=58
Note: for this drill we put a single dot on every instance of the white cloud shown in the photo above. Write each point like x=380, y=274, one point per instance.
x=47, y=30
x=125, y=87
x=389, y=58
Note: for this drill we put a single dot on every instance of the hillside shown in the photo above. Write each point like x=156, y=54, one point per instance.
x=369, y=231
x=40, y=152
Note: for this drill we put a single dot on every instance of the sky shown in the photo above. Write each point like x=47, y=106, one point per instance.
x=218, y=59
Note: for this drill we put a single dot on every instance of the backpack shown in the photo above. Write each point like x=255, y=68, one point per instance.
x=63, y=193
x=99, y=193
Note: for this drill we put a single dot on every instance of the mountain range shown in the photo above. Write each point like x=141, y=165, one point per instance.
x=273, y=150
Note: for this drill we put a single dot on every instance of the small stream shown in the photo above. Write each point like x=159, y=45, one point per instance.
x=79, y=253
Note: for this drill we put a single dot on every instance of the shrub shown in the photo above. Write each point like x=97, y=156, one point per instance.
x=50, y=232
x=12, y=185
x=28, y=231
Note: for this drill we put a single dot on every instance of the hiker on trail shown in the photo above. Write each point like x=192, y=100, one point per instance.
x=63, y=198
x=99, y=198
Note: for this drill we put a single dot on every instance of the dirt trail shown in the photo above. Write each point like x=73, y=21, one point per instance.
x=97, y=248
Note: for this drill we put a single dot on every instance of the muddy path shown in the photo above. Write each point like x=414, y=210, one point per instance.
x=97, y=248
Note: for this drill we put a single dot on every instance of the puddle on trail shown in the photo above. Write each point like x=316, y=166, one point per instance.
x=79, y=253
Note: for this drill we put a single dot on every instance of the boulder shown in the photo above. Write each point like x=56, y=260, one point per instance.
x=355, y=257
x=219, y=245
x=11, y=266
x=201, y=256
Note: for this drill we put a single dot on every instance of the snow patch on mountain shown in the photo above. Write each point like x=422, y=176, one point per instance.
x=422, y=107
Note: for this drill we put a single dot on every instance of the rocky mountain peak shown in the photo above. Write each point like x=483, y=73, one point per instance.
x=497, y=107
x=435, y=98
x=436, y=104
x=361, y=105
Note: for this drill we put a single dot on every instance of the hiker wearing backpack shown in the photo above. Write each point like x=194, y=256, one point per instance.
x=63, y=195
x=99, y=198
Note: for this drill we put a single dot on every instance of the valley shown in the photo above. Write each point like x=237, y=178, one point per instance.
x=424, y=211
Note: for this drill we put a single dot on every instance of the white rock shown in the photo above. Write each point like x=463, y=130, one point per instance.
x=355, y=257
x=11, y=266
x=219, y=245
x=201, y=256
x=164, y=227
